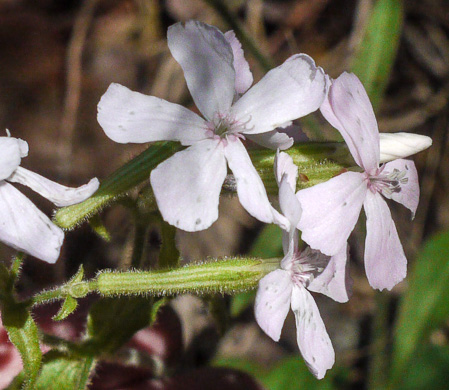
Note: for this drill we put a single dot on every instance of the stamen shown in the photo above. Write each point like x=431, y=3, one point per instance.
x=389, y=183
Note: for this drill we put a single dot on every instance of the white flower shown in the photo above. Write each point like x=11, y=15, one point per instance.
x=300, y=271
x=22, y=225
x=188, y=184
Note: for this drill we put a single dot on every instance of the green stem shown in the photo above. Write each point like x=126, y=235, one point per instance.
x=139, y=245
x=223, y=10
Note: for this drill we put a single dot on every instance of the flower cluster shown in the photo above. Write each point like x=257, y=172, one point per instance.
x=187, y=185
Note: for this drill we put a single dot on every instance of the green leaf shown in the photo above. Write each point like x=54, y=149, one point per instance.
x=68, y=307
x=424, y=307
x=23, y=333
x=62, y=371
x=113, y=321
x=376, y=54
x=428, y=369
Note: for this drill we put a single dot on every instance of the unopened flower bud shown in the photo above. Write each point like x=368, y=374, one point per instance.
x=401, y=145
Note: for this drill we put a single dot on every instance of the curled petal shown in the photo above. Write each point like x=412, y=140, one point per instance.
x=272, y=140
x=409, y=188
x=250, y=189
x=56, y=193
x=335, y=281
x=273, y=302
x=188, y=184
x=128, y=116
x=385, y=261
x=243, y=75
x=284, y=166
x=348, y=109
x=24, y=227
x=290, y=91
x=401, y=145
x=206, y=58
x=330, y=211
x=11, y=152
x=290, y=206
x=313, y=341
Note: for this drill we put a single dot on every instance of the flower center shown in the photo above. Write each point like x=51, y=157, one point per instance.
x=388, y=183
x=307, y=265
x=223, y=126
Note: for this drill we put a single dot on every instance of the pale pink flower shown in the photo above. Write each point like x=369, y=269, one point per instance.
x=331, y=209
x=188, y=184
x=22, y=225
x=300, y=271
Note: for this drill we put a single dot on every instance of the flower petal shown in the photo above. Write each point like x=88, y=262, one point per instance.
x=272, y=140
x=289, y=203
x=56, y=193
x=11, y=152
x=24, y=227
x=401, y=145
x=188, y=184
x=206, y=58
x=330, y=211
x=292, y=90
x=250, y=189
x=335, y=281
x=313, y=341
x=128, y=116
x=348, y=109
x=409, y=193
x=273, y=302
x=284, y=166
x=385, y=261
x=243, y=75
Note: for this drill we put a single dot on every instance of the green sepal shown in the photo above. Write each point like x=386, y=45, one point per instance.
x=68, y=307
x=317, y=162
x=98, y=227
x=116, y=185
x=226, y=276
x=23, y=333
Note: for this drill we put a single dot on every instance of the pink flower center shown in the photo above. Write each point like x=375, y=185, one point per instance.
x=387, y=183
x=224, y=127
x=306, y=265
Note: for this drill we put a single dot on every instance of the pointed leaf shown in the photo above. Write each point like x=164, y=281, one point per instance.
x=68, y=307
x=23, y=333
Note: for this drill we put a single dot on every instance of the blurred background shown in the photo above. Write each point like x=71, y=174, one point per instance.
x=58, y=57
